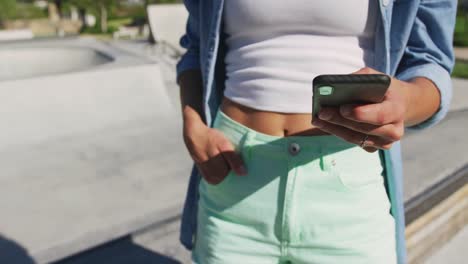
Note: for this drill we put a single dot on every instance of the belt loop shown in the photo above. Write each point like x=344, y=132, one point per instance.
x=323, y=159
x=245, y=143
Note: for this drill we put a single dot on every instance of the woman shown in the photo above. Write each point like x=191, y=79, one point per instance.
x=269, y=186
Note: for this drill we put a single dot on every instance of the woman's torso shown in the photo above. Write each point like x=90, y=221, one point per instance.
x=276, y=49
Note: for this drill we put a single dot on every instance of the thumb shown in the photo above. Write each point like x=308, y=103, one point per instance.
x=232, y=158
x=366, y=70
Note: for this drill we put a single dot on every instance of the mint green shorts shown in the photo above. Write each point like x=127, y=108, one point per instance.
x=305, y=199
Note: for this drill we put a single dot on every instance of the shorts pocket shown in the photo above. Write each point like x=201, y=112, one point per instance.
x=226, y=193
x=355, y=168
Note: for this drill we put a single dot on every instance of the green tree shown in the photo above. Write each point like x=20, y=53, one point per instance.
x=7, y=10
x=104, y=7
x=101, y=8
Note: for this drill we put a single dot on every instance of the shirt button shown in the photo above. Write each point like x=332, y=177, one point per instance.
x=385, y=2
x=294, y=148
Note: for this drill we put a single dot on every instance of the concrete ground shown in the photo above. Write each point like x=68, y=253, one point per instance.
x=157, y=244
x=461, y=53
x=454, y=252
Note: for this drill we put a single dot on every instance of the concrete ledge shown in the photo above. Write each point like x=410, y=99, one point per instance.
x=454, y=252
x=9, y=35
x=167, y=23
x=432, y=230
x=460, y=93
x=86, y=159
x=422, y=203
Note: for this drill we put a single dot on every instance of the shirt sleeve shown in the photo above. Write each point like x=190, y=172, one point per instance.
x=190, y=40
x=429, y=52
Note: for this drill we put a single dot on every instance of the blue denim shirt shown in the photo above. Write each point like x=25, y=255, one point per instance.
x=413, y=39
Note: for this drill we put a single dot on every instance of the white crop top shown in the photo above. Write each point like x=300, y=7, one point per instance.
x=276, y=48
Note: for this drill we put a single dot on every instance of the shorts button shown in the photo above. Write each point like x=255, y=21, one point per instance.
x=294, y=148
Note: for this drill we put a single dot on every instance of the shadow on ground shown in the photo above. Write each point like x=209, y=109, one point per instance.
x=12, y=252
x=123, y=251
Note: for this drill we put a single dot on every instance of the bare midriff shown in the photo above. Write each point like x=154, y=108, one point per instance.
x=271, y=123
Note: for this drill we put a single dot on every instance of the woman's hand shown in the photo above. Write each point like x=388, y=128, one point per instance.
x=211, y=151
x=382, y=122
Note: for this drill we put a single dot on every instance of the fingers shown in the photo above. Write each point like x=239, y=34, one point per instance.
x=383, y=122
x=216, y=157
x=235, y=162
x=366, y=70
x=232, y=158
x=370, y=149
x=214, y=170
x=391, y=110
x=392, y=132
x=376, y=114
x=352, y=136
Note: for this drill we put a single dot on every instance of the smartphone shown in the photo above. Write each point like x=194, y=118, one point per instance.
x=340, y=89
